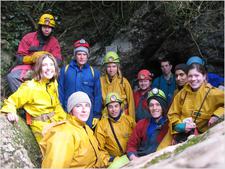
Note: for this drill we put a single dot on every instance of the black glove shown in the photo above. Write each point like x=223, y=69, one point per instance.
x=34, y=49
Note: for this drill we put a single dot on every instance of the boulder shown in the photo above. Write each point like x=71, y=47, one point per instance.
x=202, y=151
x=19, y=148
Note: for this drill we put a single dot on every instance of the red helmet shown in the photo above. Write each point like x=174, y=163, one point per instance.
x=144, y=74
x=80, y=43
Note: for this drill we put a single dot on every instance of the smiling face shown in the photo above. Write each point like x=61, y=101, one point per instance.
x=155, y=108
x=81, y=111
x=195, y=79
x=114, y=109
x=111, y=69
x=81, y=58
x=46, y=30
x=144, y=84
x=181, y=77
x=47, y=68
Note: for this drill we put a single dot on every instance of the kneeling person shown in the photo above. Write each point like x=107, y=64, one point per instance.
x=113, y=131
x=148, y=133
x=72, y=144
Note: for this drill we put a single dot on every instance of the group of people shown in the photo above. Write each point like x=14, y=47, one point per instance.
x=84, y=119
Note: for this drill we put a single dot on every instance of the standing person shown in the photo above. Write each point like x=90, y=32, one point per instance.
x=148, y=133
x=72, y=144
x=32, y=46
x=212, y=78
x=113, y=131
x=166, y=82
x=38, y=97
x=113, y=81
x=140, y=96
x=80, y=76
x=197, y=106
x=181, y=76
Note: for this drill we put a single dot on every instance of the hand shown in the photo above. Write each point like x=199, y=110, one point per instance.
x=213, y=120
x=190, y=126
x=36, y=55
x=133, y=157
x=95, y=122
x=12, y=117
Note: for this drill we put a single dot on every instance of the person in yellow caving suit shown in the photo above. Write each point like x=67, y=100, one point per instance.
x=113, y=81
x=38, y=97
x=72, y=144
x=113, y=132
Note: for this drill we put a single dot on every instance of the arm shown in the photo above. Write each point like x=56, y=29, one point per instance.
x=15, y=101
x=135, y=140
x=18, y=99
x=97, y=95
x=57, y=152
x=218, y=103
x=130, y=98
x=61, y=87
x=174, y=113
x=56, y=50
x=155, y=83
x=101, y=136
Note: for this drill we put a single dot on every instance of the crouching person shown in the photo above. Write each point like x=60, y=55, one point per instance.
x=72, y=144
x=113, y=131
x=148, y=133
x=38, y=97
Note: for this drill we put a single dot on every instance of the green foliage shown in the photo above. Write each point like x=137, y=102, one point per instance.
x=19, y=18
x=159, y=158
x=182, y=13
x=190, y=142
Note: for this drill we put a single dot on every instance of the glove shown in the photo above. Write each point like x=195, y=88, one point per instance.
x=180, y=127
x=95, y=122
x=30, y=59
x=36, y=55
x=34, y=49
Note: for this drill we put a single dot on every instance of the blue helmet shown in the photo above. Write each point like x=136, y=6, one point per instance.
x=195, y=59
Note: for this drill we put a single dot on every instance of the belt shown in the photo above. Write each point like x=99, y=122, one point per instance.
x=44, y=117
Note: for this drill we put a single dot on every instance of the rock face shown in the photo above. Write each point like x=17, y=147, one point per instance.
x=19, y=148
x=153, y=29
x=151, y=35
x=204, y=151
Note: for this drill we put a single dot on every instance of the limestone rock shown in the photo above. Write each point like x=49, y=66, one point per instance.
x=204, y=151
x=19, y=148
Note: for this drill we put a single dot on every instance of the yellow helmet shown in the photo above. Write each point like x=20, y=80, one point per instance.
x=111, y=57
x=47, y=19
x=112, y=97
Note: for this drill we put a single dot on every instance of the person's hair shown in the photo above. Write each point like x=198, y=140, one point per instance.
x=165, y=59
x=119, y=72
x=38, y=66
x=198, y=67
